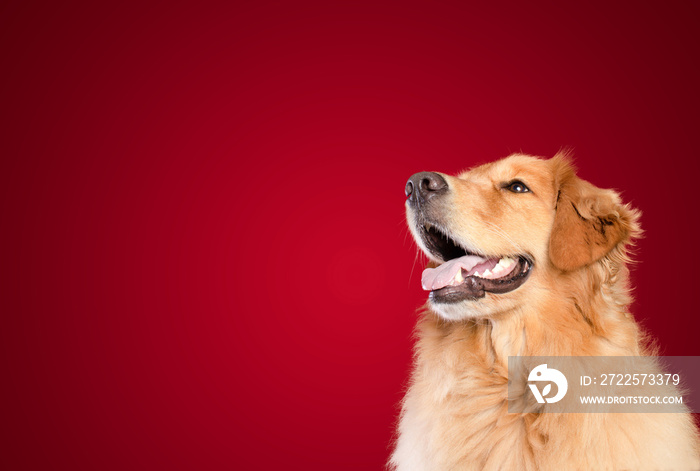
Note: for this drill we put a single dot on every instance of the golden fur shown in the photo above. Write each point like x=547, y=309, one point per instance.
x=575, y=303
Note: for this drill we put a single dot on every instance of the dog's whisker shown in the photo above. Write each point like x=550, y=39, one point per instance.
x=413, y=266
x=500, y=232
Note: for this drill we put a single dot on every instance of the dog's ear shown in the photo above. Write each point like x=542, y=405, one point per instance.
x=589, y=222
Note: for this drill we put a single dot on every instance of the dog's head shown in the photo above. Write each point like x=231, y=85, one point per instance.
x=495, y=234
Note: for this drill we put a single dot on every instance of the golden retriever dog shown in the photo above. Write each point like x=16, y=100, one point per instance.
x=526, y=259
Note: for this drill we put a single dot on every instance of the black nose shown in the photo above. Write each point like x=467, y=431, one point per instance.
x=425, y=185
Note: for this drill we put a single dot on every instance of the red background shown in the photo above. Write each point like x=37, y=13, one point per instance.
x=205, y=258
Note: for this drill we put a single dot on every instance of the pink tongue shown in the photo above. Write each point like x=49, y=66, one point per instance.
x=436, y=278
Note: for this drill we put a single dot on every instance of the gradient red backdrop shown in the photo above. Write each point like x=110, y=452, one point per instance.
x=205, y=259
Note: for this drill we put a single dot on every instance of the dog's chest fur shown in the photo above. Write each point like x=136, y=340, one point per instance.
x=458, y=381
x=455, y=416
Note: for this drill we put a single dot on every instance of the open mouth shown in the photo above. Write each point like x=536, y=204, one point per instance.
x=468, y=276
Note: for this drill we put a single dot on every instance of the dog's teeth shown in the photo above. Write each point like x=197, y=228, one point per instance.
x=428, y=226
x=476, y=273
x=486, y=273
x=458, y=277
x=504, y=263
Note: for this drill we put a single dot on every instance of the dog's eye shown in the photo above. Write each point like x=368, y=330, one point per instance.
x=517, y=187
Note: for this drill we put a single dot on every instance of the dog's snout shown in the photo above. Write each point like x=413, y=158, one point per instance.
x=425, y=185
